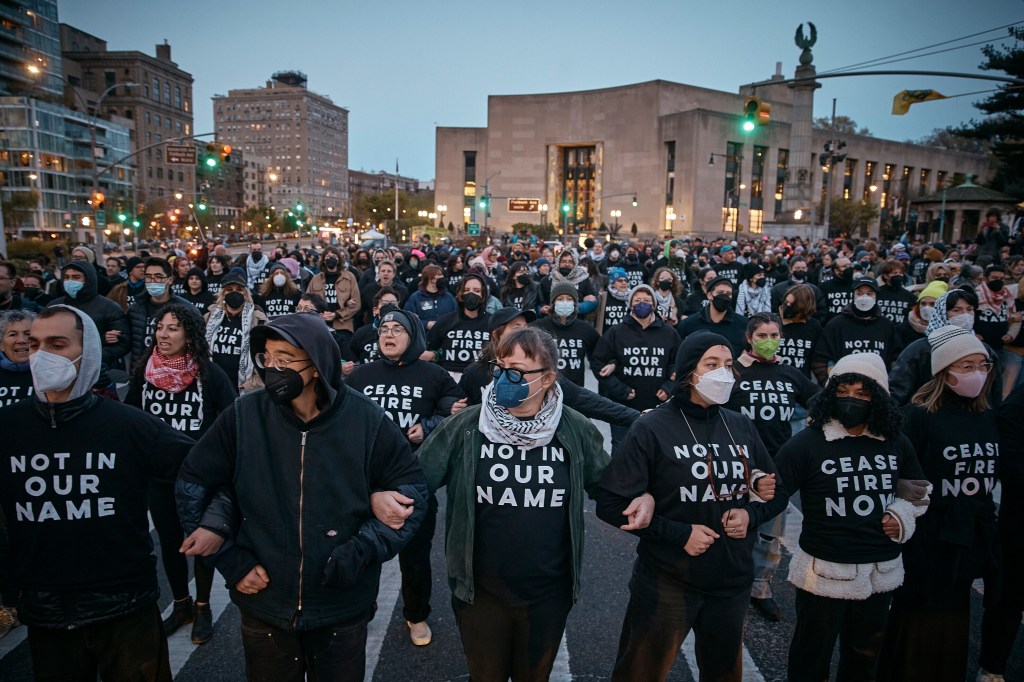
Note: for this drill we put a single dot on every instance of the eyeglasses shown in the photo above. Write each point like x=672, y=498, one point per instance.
x=515, y=376
x=396, y=330
x=264, y=361
x=156, y=278
x=968, y=367
x=306, y=310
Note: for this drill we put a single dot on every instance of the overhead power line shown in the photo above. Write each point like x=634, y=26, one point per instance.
x=928, y=47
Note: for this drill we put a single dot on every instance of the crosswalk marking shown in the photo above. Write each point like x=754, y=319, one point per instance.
x=750, y=671
x=387, y=599
x=179, y=645
x=560, y=671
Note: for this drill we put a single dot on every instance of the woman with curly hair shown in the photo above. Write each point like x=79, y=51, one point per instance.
x=668, y=290
x=848, y=466
x=177, y=381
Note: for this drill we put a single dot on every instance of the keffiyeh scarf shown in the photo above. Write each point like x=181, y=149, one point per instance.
x=173, y=375
x=499, y=426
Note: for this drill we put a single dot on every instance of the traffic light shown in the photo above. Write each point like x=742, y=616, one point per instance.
x=201, y=206
x=136, y=224
x=566, y=207
x=121, y=217
x=298, y=207
x=211, y=155
x=755, y=113
x=634, y=201
x=97, y=200
x=485, y=200
x=225, y=153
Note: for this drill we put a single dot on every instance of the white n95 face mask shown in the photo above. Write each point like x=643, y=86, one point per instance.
x=965, y=321
x=51, y=372
x=716, y=386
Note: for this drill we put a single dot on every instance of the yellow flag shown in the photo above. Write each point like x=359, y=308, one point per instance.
x=902, y=101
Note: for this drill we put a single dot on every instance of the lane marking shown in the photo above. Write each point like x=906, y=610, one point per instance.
x=387, y=600
x=179, y=645
x=560, y=671
x=689, y=651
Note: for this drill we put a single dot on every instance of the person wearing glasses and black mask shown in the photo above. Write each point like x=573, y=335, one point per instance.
x=694, y=566
x=417, y=396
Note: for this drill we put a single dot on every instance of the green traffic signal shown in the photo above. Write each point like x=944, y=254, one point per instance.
x=136, y=224
x=211, y=162
x=201, y=205
x=121, y=217
x=298, y=207
x=566, y=207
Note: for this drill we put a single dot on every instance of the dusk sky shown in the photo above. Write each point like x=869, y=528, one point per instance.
x=403, y=67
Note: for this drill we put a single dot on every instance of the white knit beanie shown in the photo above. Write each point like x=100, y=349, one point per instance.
x=868, y=365
x=638, y=288
x=950, y=343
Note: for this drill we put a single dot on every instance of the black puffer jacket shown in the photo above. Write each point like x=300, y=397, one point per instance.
x=139, y=314
x=105, y=313
x=913, y=369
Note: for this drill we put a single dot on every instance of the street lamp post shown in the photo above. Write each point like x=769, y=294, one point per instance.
x=92, y=112
x=487, y=193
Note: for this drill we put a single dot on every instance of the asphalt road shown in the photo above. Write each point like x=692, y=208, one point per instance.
x=587, y=652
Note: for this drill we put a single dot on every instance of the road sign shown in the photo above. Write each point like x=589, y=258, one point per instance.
x=473, y=229
x=101, y=218
x=521, y=205
x=184, y=154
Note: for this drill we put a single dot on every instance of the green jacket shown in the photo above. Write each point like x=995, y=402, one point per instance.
x=449, y=457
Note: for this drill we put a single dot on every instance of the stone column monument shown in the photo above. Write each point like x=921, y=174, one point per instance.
x=799, y=192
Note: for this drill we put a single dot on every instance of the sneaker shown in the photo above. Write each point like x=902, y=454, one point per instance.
x=180, y=615
x=419, y=633
x=985, y=676
x=767, y=608
x=8, y=620
x=202, y=624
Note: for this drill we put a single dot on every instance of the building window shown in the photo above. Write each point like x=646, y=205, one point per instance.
x=781, y=169
x=731, y=188
x=757, y=178
x=925, y=177
x=109, y=79
x=177, y=97
x=849, y=169
x=579, y=169
x=148, y=119
x=869, y=179
x=156, y=89
x=159, y=121
x=670, y=172
x=167, y=93
x=887, y=178
x=159, y=173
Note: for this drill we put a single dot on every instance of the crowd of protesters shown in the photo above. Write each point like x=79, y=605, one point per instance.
x=286, y=417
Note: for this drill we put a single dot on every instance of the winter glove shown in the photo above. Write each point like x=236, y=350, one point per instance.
x=347, y=562
x=914, y=491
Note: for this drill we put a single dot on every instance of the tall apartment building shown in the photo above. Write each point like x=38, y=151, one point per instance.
x=159, y=104
x=30, y=59
x=302, y=135
x=255, y=188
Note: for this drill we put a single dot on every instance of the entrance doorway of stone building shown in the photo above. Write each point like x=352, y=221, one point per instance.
x=579, y=173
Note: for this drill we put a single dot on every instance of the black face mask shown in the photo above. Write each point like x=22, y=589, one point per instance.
x=722, y=302
x=758, y=283
x=996, y=285
x=234, y=299
x=283, y=385
x=799, y=275
x=523, y=279
x=851, y=412
x=789, y=312
x=564, y=272
x=441, y=284
x=942, y=279
x=632, y=258
x=896, y=281
x=257, y=256
x=330, y=263
x=847, y=275
x=471, y=301
x=363, y=261
x=665, y=284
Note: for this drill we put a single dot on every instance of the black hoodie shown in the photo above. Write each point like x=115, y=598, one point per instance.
x=855, y=332
x=459, y=339
x=106, y=314
x=576, y=341
x=643, y=357
x=410, y=391
x=204, y=299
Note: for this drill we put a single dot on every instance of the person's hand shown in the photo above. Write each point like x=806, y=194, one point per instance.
x=891, y=526
x=328, y=316
x=632, y=394
x=202, y=542
x=1007, y=338
x=607, y=369
x=765, y=487
x=735, y=522
x=111, y=336
x=639, y=512
x=347, y=367
x=391, y=508
x=459, y=405
x=254, y=581
x=701, y=537
x=428, y=356
x=662, y=396
x=545, y=310
x=430, y=324
x=415, y=433
x=350, y=303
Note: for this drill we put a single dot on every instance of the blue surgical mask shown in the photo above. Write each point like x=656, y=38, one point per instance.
x=156, y=289
x=72, y=288
x=643, y=310
x=510, y=395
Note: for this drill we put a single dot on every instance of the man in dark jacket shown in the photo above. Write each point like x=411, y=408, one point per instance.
x=718, y=317
x=860, y=328
x=302, y=458
x=80, y=292
x=797, y=275
x=142, y=314
x=74, y=495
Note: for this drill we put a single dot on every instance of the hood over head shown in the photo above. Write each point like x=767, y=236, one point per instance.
x=91, y=287
x=92, y=355
x=412, y=325
x=309, y=333
x=197, y=272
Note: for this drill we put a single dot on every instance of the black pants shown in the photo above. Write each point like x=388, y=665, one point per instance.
x=8, y=591
x=517, y=642
x=1004, y=594
x=414, y=561
x=660, y=615
x=859, y=626
x=164, y=511
x=328, y=653
x=130, y=648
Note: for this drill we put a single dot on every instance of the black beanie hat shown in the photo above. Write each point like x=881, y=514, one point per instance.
x=692, y=350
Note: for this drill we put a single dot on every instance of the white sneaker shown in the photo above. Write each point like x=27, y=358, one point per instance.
x=985, y=676
x=419, y=633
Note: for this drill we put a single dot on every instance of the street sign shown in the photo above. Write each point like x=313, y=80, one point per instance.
x=473, y=229
x=184, y=154
x=101, y=218
x=521, y=205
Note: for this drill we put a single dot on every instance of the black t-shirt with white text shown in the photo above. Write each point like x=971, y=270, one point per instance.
x=459, y=339
x=797, y=345
x=576, y=342
x=768, y=395
x=277, y=303
x=521, y=544
x=14, y=386
x=227, y=345
x=362, y=347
